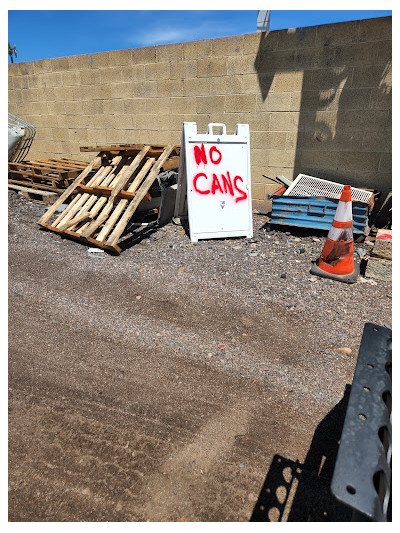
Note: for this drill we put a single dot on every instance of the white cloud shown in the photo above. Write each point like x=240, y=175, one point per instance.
x=159, y=33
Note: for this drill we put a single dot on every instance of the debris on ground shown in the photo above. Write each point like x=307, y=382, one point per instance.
x=379, y=265
x=311, y=202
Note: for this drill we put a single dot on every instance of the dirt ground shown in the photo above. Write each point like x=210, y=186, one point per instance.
x=177, y=381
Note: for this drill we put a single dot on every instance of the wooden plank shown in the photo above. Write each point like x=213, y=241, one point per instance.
x=33, y=185
x=30, y=190
x=112, y=147
x=106, y=191
x=145, y=186
x=122, y=204
x=79, y=238
x=117, y=188
x=65, y=195
x=79, y=218
x=171, y=164
x=102, y=177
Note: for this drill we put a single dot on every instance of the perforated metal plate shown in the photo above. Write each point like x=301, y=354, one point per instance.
x=362, y=476
x=305, y=185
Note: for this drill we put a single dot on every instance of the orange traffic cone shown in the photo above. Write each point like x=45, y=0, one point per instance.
x=336, y=260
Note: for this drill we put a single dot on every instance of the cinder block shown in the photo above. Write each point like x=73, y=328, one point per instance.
x=170, y=52
x=145, y=89
x=260, y=157
x=296, y=100
x=122, y=122
x=43, y=65
x=210, y=104
x=240, y=65
x=196, y=87
x=183, y=105
x=91, y=108
x=73, y=108
x=250, y=43
x=226, y=85
x=372, y=76
x=227, y=46
x=284, y=121
x=113, y=107
x=120, y=57
x=337, y=34
x=156, y=71
x=383, y=244
x=281, y=158
x=70, y=77
x=379, y=269
x=132, y=73
x=78, y=62
x=385, y=163
x=288, y=81
x=169, y=88
x=257, y=121
x=363, y=119
x=268, y=140
x=213, y=66
x=183, y=69
x=110, y=75
x=277, y=60
x=20, y=82
x=122, y=90
x=24, y=69
x=100, y=60
x=197, y=49
x=257, y=190
x=296, y=38
x=237, y=103
x=377, y=142
x=159, y=106
x=381, y=97
x=376, y=29
x=132, y=106
x=90, y=76
x=144, y=55
x=59, y=64
x=274, y=102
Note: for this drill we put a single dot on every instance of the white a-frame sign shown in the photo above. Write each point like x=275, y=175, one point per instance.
x=214, y=179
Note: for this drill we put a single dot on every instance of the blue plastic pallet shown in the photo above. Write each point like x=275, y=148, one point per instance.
x=315, y=212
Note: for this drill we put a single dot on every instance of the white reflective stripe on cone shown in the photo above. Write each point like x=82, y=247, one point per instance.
x=344, y=212
x=335, y=233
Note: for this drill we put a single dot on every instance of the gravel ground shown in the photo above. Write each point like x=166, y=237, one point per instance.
x=163, y=383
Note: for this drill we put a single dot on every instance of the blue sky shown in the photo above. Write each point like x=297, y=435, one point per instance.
x=43, y=34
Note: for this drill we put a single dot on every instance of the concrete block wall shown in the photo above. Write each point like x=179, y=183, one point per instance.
x=317, y=99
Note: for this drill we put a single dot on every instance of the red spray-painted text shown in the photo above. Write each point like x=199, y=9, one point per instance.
x=224, y=184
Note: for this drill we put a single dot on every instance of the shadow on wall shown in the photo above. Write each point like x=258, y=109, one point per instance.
x=343, y=111
x=296, y=492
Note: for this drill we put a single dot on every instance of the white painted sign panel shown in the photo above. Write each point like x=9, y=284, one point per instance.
x=218, y=181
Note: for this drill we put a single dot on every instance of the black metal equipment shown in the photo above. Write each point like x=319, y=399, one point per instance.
x=362, y=475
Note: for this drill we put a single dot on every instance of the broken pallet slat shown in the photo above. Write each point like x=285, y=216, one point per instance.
x=121, y=182
x=119, y=228
x=105, y=204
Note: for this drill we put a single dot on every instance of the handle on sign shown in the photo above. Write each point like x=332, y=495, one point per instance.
x=211, y=126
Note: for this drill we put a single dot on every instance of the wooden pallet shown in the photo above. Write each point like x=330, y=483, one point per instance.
x=55, y=173
x=44, y=197
x=101, y=208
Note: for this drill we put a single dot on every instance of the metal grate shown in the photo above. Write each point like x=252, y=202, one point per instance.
x=362, y=476
x=305, y=185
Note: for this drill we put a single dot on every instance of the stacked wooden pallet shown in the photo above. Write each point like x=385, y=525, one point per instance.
x=98, y=211
x=44, y=180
